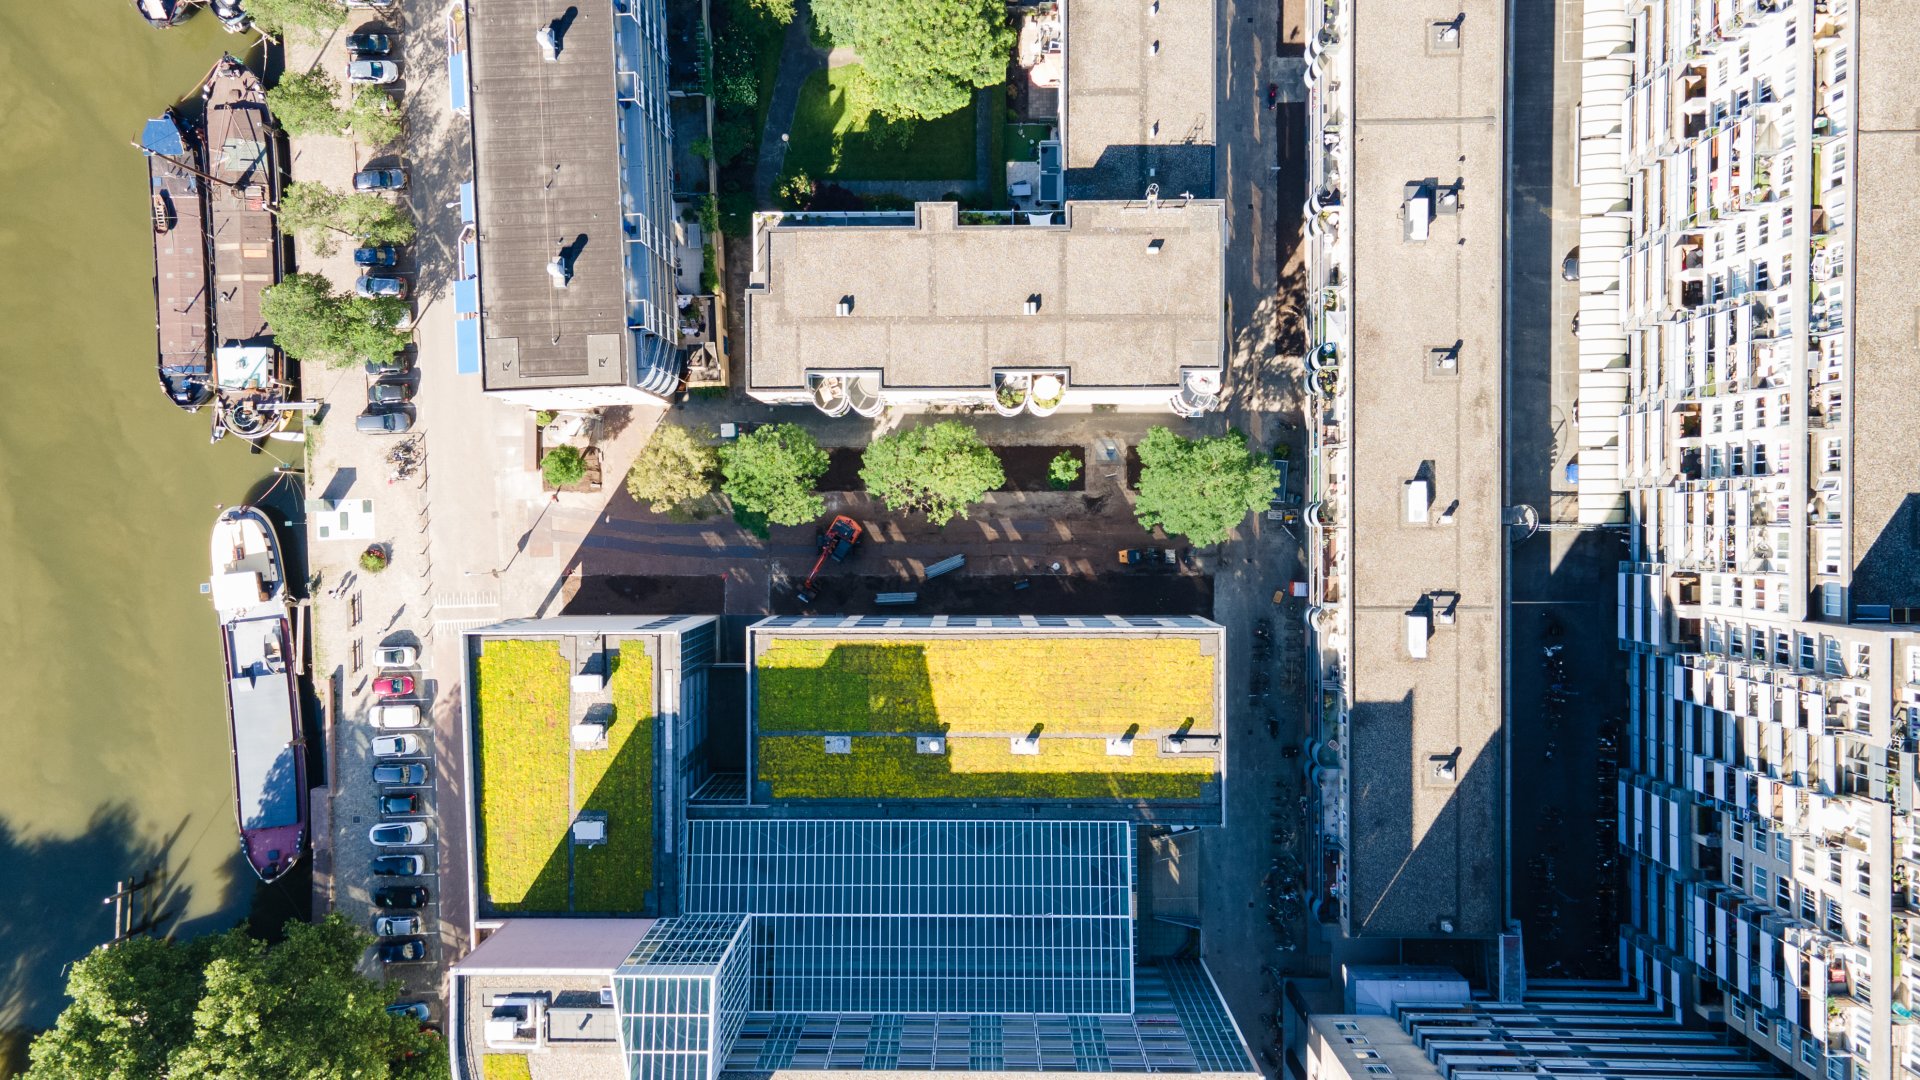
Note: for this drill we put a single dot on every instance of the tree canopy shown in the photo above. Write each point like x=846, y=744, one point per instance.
x=771, y=470
x=674, y=469
x=314, y=18
x=1199, y=488
x=322, y=217
x=563, y=465
x=924, y=58
x=229, y=1006
x=941, y=469
x=304, y=103
x=312, y=322
x=373, y=117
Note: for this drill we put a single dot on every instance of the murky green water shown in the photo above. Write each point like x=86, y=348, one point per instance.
x=113, y=741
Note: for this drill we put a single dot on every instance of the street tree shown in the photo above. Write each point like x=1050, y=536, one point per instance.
x=323, y=217
x=373, y=117
x=313, y=19
x=772, y=470
x=312, y=322
x=1063, y=470
x=941, y=469
x=563, y=466
x=307, y=103
x=1199, y=488
x=231, y=1005
x=673, y=470
x=923, y=58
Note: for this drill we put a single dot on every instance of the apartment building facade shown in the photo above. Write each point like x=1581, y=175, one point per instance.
x=1766, y=600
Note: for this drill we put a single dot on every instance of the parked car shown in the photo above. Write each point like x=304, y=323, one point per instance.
x=416, y=1010
x=400, y=896
x=396, y=925
x=388, y=392
x=400, y=802
x=393, y=685
x=399, y=865
x=369, y=286
x=369, y=44
x=1570, y=266
x=400, y=364
x=390, y=717
x=403, y=950
x=405, y=772
x=398, y=834
x=377, y=255
x=396, y=656
x=373, y=72
x=394, y=179
x=396, y=745
x=390, y=422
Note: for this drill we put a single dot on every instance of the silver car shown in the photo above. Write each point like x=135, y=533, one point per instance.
x=398, y=834
x=372, y=72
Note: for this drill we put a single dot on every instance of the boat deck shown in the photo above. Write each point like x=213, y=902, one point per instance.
x=266, y=724
x=240, y=152
x=180, y=274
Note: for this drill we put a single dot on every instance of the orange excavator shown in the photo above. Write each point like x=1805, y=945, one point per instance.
x=836, y=543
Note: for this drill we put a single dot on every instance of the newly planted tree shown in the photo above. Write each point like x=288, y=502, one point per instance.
x=324, y=217
x=924, y=57
x=941, y=469
x=311, y=18
x=312, y=322
x=673, y=470
x=772, y=471
x=229, y=1006
x=563, y=466
x=306, y=103
x=1199, y=488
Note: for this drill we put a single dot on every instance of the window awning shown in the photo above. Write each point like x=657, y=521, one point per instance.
x=466, y=346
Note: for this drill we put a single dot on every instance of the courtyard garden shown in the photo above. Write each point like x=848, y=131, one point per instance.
x=839, y=135
x=798, y=767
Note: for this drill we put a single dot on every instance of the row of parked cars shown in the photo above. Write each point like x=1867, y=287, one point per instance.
x=370, y=63
x=399, y=779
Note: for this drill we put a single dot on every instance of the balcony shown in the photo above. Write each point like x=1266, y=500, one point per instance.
x=1199, y=393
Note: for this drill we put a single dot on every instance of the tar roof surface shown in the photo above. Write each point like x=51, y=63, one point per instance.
x=1886, y=262
x=546, y=172
x=943, y=305
x=1139, y=94
x=1425, y=848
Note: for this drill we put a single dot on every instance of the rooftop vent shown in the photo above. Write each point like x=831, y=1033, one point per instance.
x=844, y=307
x=1153, y=49
x=549, y=43
x=1153, y=8
x=1033, y=304
x=930, y=744
x=559, y=272
x=1154, y=245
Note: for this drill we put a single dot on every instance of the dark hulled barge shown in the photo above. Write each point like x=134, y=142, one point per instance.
x=180, y=289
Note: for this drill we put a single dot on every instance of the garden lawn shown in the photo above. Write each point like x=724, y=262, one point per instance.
x=521, y=687
x=798, y=767
x=836, y=139
x=1023, y=141
x=504, y=1067
x=1064, y=685
x=619, y=780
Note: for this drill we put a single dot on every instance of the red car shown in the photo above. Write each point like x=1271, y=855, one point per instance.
x=393, y=685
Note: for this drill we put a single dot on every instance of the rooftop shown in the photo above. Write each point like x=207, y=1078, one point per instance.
x=1018, y=713
x=538, y=770
x=1126, y=295
x=1139, y=96
x=1886, y=260
x=1425, y=733
x=547, y=175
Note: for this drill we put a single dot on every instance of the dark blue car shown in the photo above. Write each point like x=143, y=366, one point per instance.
x=382, y=255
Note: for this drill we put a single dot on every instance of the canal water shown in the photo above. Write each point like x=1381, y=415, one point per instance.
x=113, y=747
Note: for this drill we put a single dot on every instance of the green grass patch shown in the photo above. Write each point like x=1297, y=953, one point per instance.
x=504, y=1067
x=753, y=521
x=619, y=781
x=837, y=137
x=996, y=193
x=521, y=687
x=1023, y=141
x=1008, y=686
x=798, y=767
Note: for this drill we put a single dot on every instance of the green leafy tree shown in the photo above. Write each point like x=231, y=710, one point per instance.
x=780, y=11
x=772, y=471
x=306, y=103
x=323, y=217
x=563, y=465
x=1063, y=470
x=673, y=470
x=373, y=117
x=794, y=190
x=312, y=18
x=923, y=57
x=232, y=1006
x=312, y=322
x=1199, y=488
x=942, y=469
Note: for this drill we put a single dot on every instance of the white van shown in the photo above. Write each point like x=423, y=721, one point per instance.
x=395, y=716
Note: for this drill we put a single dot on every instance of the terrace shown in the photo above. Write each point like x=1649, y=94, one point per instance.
x=564, y=732
x=930, y=713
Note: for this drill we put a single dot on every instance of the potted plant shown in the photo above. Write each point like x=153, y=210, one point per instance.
x=375, y=558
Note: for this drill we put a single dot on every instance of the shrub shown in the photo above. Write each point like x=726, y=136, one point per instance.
x=1063, y=470
x=563, y=466
x=374, y=559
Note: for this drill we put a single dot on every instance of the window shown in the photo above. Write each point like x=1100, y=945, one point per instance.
x=1832, y=605
x=1359, y=1040
x=1782, y=847
x=1783, y=1034
x=1783, y=894
x=1809, y=1050
x=1830, y=646
x=1760, y=881
x=1759, y=1024
x=1379, y=1070
x=1836, y=1068
x=1760, y=837
x=1345, y=1025
x=1806, y=650
x=1367, y=1055
x=1738, y=1011
x=1808, y=911
x=1737, y=830
x=1737, y=872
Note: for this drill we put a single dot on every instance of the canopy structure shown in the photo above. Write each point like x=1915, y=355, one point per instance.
x=1606, y=75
